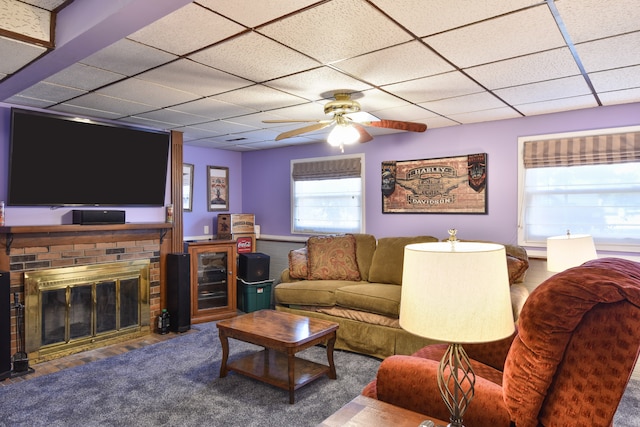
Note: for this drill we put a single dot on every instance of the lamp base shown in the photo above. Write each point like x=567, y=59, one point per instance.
x=456, y=380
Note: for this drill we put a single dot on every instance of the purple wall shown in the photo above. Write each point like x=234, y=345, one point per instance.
x=200, y=158
x=266, y=187
x=259, y=181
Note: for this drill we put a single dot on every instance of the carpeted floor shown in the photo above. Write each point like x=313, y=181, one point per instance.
x=175, y=383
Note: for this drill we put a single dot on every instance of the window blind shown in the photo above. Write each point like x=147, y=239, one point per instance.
x=327, y=169
x=587, y=150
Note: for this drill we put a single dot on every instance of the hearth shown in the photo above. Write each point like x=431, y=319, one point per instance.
x=73, y=309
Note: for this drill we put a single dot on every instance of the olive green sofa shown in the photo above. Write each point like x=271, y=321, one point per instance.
x=355, y=280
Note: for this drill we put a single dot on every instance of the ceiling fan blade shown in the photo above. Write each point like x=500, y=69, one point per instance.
x=364, y=135
x=305, y=129
x=395, y=124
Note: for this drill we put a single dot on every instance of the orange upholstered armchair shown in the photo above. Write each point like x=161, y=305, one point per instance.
x=568, y=364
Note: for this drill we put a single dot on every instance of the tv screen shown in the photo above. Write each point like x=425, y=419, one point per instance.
x=56, y=160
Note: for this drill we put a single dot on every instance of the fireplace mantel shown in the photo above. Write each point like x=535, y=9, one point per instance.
x=75, y=233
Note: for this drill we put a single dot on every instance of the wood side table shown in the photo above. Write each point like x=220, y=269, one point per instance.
x=282, y=335
x=367, y=412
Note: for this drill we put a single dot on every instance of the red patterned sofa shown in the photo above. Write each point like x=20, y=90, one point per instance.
x=568, y=364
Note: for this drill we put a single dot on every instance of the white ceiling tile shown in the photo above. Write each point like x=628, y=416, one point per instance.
x=223, y=127
x=542, y=91
x=433, y=88
x=151, y=124
x=551, y=64
x=192, y=77
x=557, y=105
x=328, y=34
x=620, y=96
x=309, y=111
x=49, y=5
x=28, y=102
x=409, y=112
x=521, y=33
x=26, y=20
x=268, y=10
x=261, y=98
x=85, y=112
x=15, y=54
x=212, y=108
x=256, y=120
x=614, y=52
x=168, y=115
x=51, y=92
x=440, y=122
x=84, y=77
x=376, y=99
x=441, y=15
x=147, y=92
x=268, y=59
x=128, y=57
x=396, y=64
x=121, y=107
x=620, y=78
x=464, y=104
x=314, y=85
x=593, y=19
x=195, y=132
x=186, y=30
x=485, y=115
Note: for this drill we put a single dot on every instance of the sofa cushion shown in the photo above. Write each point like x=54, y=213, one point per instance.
x=386, y=266
x=517, y=263
x=516, y=268
x=308, y=292
x=332, y=258
x=365, y=248
x=298, y=263
x=377, y=298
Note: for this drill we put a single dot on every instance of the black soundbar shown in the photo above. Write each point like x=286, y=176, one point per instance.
x=89, y=217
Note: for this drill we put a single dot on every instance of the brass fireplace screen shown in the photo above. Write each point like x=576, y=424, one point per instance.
x=82, y=307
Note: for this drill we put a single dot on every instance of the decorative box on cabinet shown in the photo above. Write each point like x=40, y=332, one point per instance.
x=213, y=279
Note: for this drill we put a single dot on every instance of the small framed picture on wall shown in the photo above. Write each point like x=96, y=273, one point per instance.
x=217, y=188
x=187, y=187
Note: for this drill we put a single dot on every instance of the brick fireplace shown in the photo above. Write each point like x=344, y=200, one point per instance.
x=32, y=250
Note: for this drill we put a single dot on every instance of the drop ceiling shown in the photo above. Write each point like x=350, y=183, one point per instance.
x=215, y=69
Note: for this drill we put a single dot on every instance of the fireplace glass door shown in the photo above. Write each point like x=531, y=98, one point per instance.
x=77, y=307
x=80, y=311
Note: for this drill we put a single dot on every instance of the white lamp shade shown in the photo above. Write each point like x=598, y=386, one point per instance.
x=568, y=251
x=456, y=293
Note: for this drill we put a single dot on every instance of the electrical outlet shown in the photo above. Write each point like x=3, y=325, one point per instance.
x=206, y=229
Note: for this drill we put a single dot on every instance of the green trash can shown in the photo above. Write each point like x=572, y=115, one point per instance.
x=254, y=296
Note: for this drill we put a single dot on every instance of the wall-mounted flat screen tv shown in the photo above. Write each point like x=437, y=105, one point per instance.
x=55, y=160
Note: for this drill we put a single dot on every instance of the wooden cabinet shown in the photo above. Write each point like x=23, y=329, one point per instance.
x=213, y=279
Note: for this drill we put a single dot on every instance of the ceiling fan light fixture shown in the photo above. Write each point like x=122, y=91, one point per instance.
x=343, y=134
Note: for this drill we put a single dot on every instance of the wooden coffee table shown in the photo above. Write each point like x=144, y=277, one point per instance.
x=282, y=335
x=367, y=412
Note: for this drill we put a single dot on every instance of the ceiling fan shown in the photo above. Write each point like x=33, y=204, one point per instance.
x=349, y=125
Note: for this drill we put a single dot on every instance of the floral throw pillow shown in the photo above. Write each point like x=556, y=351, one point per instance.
x=333, y=258
x=298, y=264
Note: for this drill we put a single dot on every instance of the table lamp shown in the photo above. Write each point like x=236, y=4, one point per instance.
x=568, y=251
x=456, y=292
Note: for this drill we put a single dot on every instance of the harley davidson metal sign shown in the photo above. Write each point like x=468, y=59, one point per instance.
x=442, y=185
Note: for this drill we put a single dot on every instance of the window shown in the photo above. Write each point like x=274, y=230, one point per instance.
x=327, y=195
x=588, y=183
